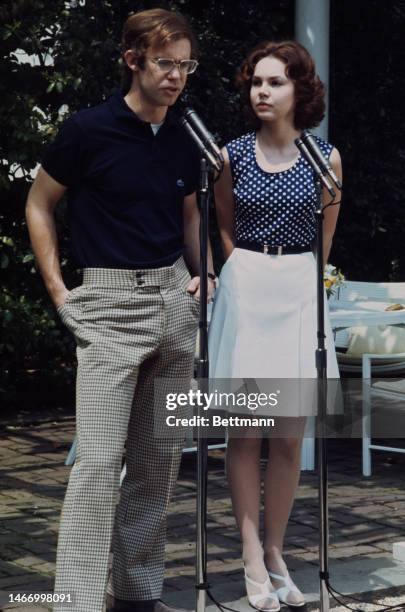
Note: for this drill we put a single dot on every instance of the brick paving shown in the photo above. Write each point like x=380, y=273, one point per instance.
x=366, y=515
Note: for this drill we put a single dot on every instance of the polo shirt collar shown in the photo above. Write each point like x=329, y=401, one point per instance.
x=122, y=112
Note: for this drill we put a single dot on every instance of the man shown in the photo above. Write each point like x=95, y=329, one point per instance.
x=130, y=173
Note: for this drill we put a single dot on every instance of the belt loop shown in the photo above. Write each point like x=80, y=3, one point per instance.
x=279, y=250
x=265, y=248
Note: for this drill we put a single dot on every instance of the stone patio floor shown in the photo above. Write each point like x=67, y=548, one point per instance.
x=366, y=516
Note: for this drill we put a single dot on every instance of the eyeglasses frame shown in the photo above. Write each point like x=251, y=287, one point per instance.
x=176, y=63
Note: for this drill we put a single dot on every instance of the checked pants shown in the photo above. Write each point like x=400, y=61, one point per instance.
x=131, y=326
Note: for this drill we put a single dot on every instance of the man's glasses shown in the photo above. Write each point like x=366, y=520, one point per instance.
x=187, y=66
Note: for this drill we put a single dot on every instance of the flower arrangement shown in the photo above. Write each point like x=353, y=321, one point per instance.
x=333, y=279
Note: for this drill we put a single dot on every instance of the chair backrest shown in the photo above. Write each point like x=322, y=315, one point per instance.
x=377, y=292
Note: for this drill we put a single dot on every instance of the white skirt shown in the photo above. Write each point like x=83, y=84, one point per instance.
x=264, y=325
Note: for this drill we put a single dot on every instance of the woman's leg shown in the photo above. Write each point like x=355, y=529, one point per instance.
x=280, y=485
x=243, y=471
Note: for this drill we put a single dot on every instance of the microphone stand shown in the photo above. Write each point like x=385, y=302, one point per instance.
x=205, y=191
x=321, y=367
x=322, y=173
x=211, y=159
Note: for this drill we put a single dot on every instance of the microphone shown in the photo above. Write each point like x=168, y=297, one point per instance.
x=323, y=162
x=205, y=135
x=216, y=163
x=307, y=154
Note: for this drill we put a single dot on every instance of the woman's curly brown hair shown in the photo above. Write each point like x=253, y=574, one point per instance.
x=300, y=68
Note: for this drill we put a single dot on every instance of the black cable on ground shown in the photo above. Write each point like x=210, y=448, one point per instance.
x=220, y=606
x=333, y=592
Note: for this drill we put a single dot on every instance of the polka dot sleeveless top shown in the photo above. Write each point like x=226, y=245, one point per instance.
x=276, y=208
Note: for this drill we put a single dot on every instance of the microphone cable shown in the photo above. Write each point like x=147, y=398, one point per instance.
x=335, y=594
x=400, y=607
x=221, y=607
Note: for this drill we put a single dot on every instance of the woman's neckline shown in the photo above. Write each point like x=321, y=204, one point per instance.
x=293, y=165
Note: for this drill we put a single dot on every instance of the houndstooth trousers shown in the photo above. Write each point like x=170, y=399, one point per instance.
x=131, y=326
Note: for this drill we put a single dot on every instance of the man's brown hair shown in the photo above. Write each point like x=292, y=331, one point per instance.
x=153, y=27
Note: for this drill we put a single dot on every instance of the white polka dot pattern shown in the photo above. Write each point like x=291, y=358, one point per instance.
x=276, y=208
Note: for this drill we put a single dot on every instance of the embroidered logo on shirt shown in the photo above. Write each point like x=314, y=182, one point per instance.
x=180, y=183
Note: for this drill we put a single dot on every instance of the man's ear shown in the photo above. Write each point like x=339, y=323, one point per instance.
x=130, y=59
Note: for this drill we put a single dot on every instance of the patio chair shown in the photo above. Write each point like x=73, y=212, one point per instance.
x=376, y=292
x=389, y=397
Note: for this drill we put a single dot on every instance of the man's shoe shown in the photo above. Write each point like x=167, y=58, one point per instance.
x=151, y=605
x=160, y=606
x=122, y=605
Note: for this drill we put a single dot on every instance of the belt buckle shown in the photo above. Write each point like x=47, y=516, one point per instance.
x=265, y=249
x=279, y=250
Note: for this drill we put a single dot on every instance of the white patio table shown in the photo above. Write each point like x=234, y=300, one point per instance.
x=347, y=314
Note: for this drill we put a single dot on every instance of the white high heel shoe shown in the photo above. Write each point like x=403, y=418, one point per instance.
x=284, y=591
x=265, y=593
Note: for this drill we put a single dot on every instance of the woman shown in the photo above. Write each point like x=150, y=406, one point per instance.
x=264, y=317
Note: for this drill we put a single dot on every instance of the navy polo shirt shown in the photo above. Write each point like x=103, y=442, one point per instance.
x=125, y=185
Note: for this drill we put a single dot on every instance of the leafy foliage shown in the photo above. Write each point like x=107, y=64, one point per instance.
x=367, y=124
